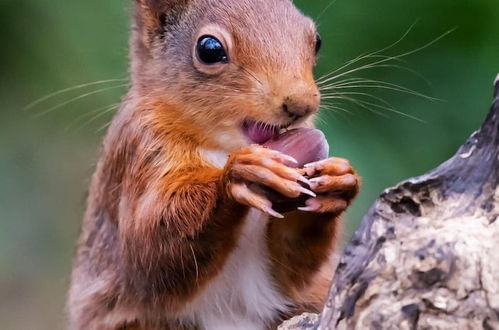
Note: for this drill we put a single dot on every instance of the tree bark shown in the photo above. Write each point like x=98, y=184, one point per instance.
x=426, y=255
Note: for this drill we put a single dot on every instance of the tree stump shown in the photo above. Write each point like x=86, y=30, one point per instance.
x=426, y=255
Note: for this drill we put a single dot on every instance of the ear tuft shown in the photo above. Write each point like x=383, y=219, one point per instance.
x=153, y=16
x=162, y=6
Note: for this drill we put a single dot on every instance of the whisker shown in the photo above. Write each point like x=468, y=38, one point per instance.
x=69, y=89
x=321, y=120
x=379, y=99
x=334, y=107
x=103, y=127
x=100, y=110
x=195, y=264
x=376, y=63
x=251, y=74
x=363, y=68
x=78, y=98
x=386, y=105
x=325, y=10
x=97, y=116
x=366, y=104
x=375, y=53
x=383, y=85
x=414, y=72
x=391, y=109
x=368, y=67
x=344, y=82
x=323, y=79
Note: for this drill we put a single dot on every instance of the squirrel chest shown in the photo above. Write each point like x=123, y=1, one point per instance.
x=244, y=294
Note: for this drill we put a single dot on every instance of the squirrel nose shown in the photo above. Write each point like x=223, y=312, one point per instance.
x=297, y=108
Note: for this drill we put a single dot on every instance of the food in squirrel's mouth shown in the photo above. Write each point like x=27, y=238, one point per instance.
x=306, y=145
x=259, y=132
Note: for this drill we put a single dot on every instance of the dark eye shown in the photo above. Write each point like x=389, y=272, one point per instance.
x=318, y=43
x=211, y=51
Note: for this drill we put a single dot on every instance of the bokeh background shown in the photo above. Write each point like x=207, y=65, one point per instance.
x=48, y=152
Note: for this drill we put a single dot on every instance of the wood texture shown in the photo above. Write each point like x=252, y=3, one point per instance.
x=426, y=255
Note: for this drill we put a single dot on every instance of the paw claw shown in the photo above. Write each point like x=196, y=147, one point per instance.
x=303, y=179
x=314, y=164
x=307, y=192
x=270, y=211
x=289, y=158
x=311, y=205
x=281, y=156
x=307, y=209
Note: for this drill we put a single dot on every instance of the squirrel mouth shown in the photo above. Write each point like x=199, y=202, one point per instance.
x=259, y=132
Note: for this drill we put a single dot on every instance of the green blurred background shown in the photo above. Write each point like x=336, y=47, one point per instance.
x=46, y=159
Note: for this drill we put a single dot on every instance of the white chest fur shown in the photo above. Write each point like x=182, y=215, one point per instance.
x=217, y=158
x=243, y=296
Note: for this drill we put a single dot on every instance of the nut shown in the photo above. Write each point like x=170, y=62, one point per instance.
x=306, y=145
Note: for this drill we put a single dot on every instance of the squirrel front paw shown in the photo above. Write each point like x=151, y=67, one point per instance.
x=256, y=165
x=334, y=181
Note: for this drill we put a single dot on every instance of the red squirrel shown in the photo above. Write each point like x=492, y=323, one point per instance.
x=173, y=238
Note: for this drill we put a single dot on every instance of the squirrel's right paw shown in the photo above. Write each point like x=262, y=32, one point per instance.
x=265, y=168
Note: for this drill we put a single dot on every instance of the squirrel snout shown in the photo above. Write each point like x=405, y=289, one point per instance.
x=297, y=107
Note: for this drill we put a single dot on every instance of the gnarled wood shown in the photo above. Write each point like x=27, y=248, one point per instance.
x=426, y=255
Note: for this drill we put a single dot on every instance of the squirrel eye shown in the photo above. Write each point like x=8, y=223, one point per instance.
x=211, y=51
x=318, y=43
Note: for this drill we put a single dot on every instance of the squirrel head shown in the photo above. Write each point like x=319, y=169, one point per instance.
x=238, y=71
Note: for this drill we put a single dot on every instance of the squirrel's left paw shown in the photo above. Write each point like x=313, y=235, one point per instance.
x=335, y=182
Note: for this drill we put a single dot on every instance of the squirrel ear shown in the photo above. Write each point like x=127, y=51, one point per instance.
x=152, y=16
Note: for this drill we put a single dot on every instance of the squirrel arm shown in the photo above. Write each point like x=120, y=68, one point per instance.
x=299, y=246
x=306, y=241
x=179, y=232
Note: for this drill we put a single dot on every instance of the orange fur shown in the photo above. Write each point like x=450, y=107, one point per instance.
x=162, y=221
